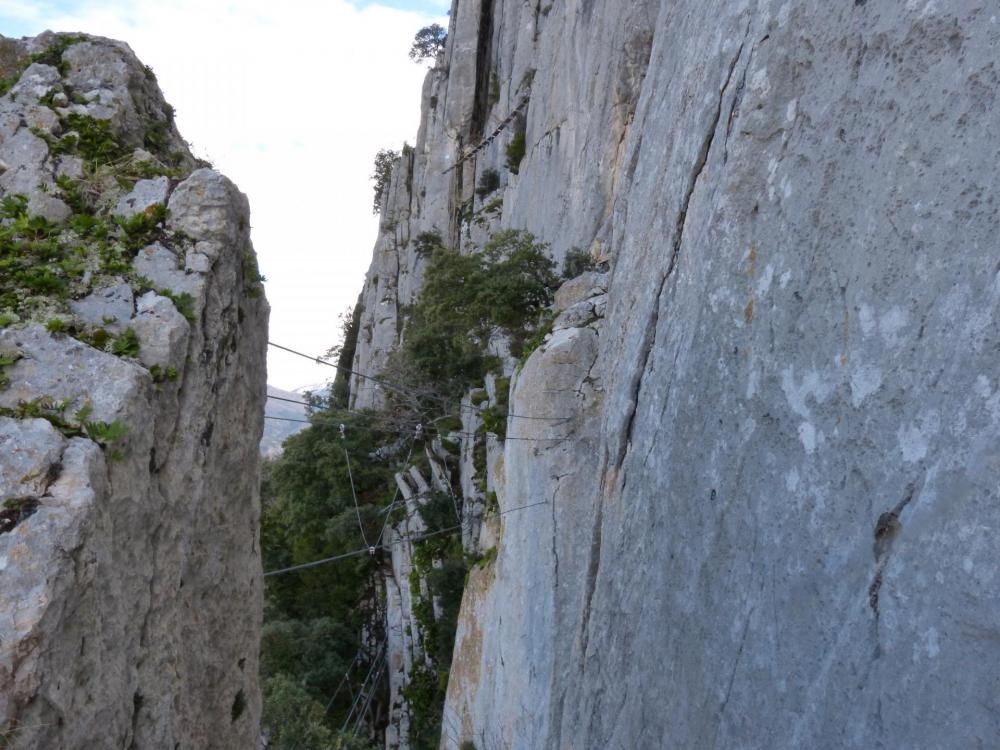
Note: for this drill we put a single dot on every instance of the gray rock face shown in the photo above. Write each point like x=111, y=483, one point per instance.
x=767, y=522
x=111, y=307
x=145, y=194
x=129, y=545
x=49, y=208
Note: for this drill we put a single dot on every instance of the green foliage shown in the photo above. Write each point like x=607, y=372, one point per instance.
x=537, y=339
x=422, y=694
x=314, y=617
x=50, y=56
x=487, y=558
x=519, y=283
x=577, y=262
x=161, y=374
x=184, y=303
x=495, y=417
x=105, y=432
x=46, y=407
x=381, y=175
x=32, y=259
x=53, y=54
x=493, y=207
x=492, y=504
x=8, y=82
x=309, y=514
x=428, y=43
x=516, y=149
x=295, y=720
x=89, y=138
x=479, y=460
x=350, y=323
x=156, y=138
x=14, y=206
x=440, y=562
x=142, y=228
x=427, y=243
x=317, y=651
x=253, y=279
x=6, y=360
x=489, y=181
x=126, y=344
x=42, y=265
x=73, y=195
x=468, y=298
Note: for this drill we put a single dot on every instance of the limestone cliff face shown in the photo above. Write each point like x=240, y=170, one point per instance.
x=131, y=407
x=768, y=521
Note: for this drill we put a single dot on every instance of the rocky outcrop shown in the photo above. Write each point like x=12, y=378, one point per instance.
x=133, y=339
x=766, y=519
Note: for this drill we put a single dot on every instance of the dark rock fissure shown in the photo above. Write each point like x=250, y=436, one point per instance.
x=649, y=337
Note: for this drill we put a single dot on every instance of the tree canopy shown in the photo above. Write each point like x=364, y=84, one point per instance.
x=380, y=176
x=428, y=43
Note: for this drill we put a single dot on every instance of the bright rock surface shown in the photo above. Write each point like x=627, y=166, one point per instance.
x=131, y=591
x=801, y=324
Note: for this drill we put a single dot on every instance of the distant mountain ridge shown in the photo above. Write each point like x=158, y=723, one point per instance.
x=280, y=416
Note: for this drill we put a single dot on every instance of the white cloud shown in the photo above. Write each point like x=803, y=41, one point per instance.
x=291, y=100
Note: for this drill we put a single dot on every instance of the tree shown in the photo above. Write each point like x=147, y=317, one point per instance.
x=428, y=43
x=384, y=160
x=465, y=300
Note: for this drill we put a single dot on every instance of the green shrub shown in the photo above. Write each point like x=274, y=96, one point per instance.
x=489, y=181
x=427, y=243
x=6, y=360
x=315, y=618
x=142, y=228
x=428, y=43
x=577, y=262
x=126, y=344
x=537, y=339
x=253, y=279
x=495, y=417
x=293, y=718
x=381, y=175
x=350, y=323
x=156, y=138
x=105, y=432
x=516, y=149
x=468, y=298
x=184, y=303
x=89, y=138
x=487, y=558
x=53, y=55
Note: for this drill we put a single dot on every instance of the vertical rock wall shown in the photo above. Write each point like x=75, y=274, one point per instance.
x=768, y=521
x=128, y=438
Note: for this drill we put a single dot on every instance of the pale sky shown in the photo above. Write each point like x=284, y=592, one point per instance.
x=291, y=100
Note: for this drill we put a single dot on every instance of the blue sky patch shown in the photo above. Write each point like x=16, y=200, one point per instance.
x=431, y=7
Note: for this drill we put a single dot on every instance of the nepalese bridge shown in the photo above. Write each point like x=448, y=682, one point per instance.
x=490, y=138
